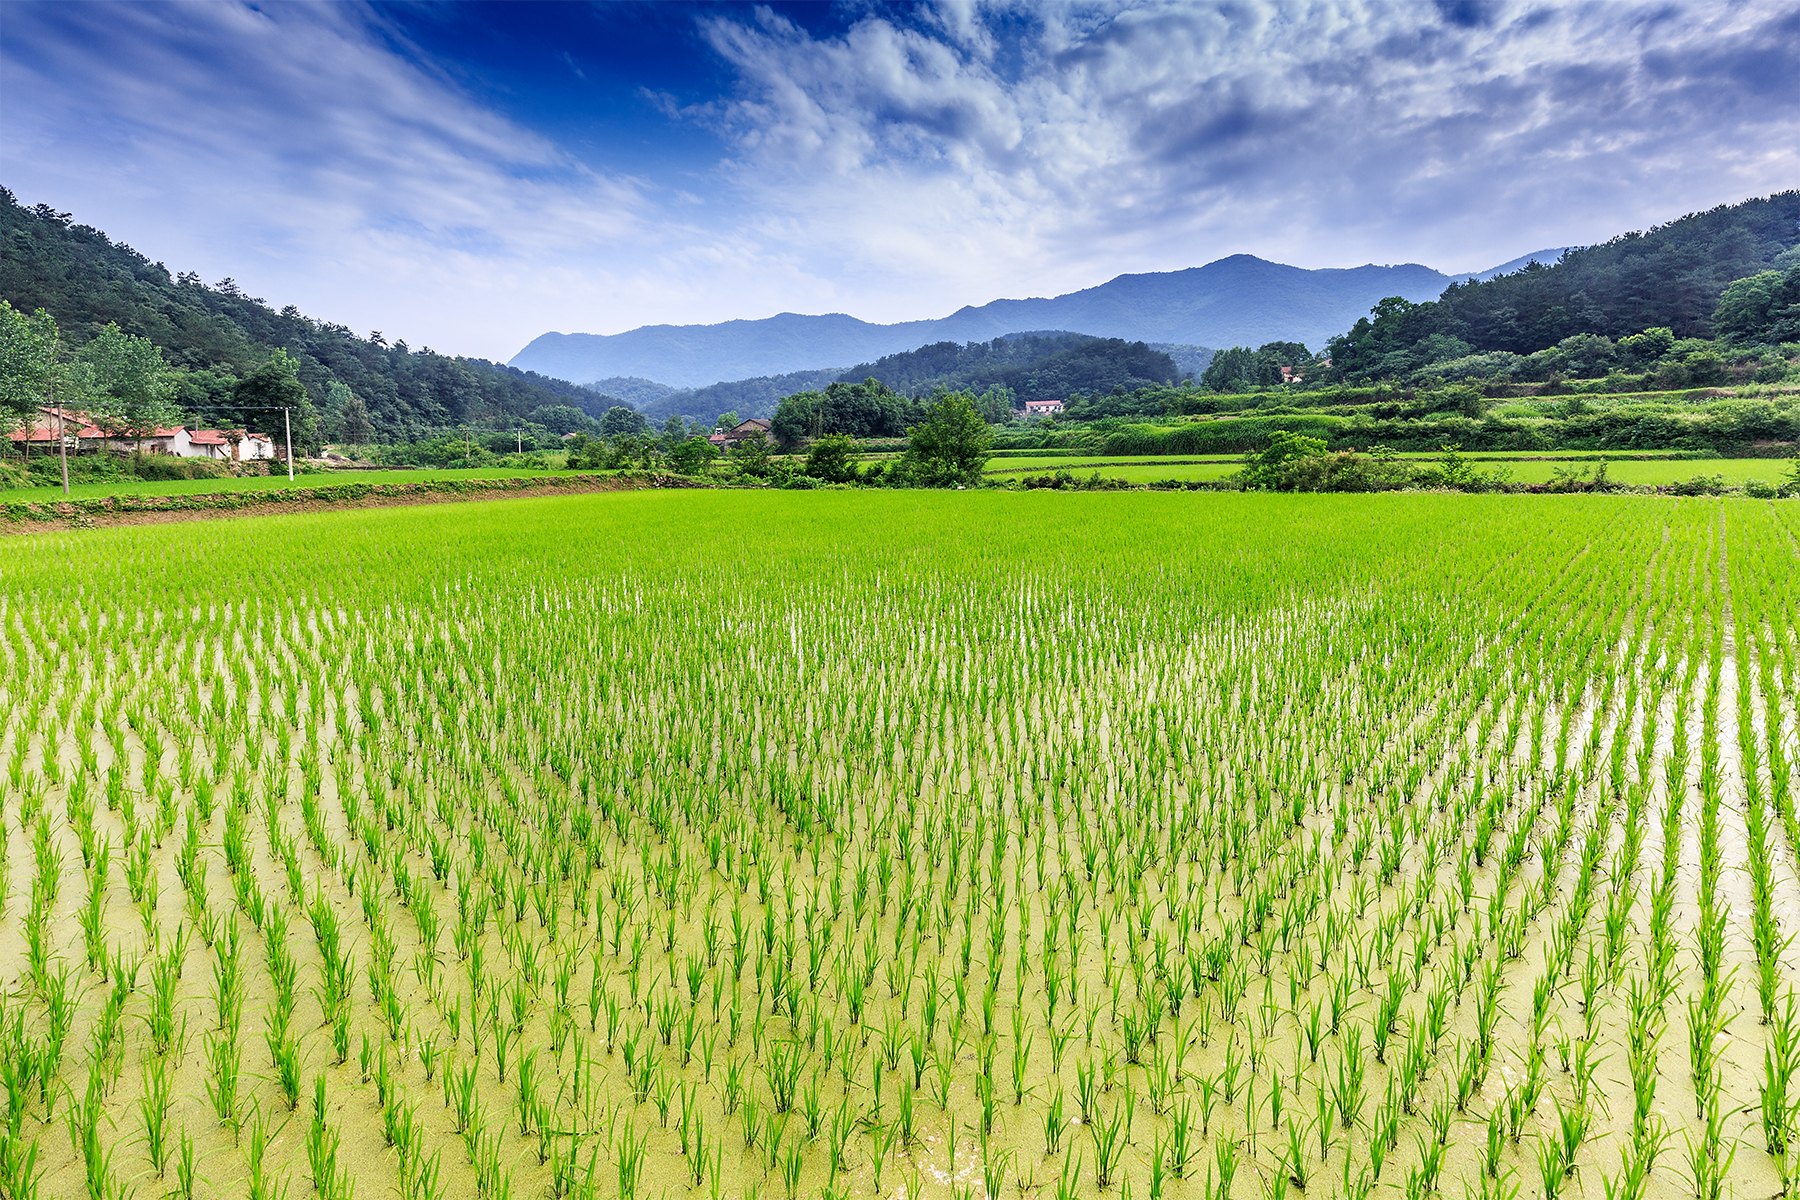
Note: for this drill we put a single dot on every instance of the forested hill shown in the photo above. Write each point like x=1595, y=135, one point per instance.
x=1669, y=276
x=213, y=335
x=1032, y=366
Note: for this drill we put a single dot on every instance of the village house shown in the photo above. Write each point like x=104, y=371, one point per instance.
x=83, y=434
x=1041, y=408
x=743, y=429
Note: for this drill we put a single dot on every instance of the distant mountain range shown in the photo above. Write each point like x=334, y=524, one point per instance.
x=1236, y=301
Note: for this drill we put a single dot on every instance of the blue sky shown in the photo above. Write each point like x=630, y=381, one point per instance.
x=468, y=176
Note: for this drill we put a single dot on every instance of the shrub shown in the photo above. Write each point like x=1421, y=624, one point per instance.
x=1699, y=485
x=832, y=458
x=1285, y=450
x=168, y=466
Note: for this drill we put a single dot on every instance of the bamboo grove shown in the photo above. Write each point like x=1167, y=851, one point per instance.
x=961, y=846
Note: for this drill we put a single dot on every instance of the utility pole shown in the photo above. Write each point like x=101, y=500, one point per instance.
x=467, y=436
x=62, y=439
x=520, y=434
x=287, y=431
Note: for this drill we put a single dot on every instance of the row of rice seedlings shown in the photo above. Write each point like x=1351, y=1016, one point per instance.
x=1252, y=877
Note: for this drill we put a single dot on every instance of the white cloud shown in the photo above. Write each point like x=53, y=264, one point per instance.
x=919, y=161
x=1164, y=135
x=309, y=152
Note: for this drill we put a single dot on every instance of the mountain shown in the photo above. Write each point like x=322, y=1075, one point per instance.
x=1236, y=301
x=215, y=335
x=1667, y=277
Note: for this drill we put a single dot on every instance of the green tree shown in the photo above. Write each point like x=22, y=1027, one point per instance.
x=691, y=455
x=358, y=431
x=31, y=364
x=751, y=456
x=1263, y=469
x=133, y=392
x=1649, y=346
x=727, y=420
x=1764, y=307
x=832, y=458
x=951, y=445
x=860, y=410
x=561, y=419
x=257, y=399
x=621, y=421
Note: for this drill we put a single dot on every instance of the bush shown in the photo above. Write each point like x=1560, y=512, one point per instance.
x=832, y=458
x=169, y=466
x=1699, y=485
x=1285, y=449
x=1758, y=489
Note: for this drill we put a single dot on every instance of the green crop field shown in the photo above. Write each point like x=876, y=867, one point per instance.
x=248, y=483
x=872, y=844
x=1655, y=471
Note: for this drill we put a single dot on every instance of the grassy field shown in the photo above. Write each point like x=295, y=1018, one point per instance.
x=1733, y=470
x=1518, y=469
x=193, y=487
x=950, y=845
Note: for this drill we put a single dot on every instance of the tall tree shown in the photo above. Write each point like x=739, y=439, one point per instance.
x=951, y=445
x=35, y=372
x=133, y=392
x=259, y=398
x=30, y=356
x=357, y=429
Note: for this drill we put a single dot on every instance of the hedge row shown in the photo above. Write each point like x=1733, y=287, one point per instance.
x=336, y=493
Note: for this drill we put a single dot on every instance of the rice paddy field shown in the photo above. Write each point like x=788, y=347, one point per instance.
x=950, y=845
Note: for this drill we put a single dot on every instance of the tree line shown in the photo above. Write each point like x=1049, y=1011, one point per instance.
x=356, y=388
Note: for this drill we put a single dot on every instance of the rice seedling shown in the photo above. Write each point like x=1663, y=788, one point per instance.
x=1302, y=853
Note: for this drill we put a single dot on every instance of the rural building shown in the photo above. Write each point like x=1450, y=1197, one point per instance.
x=1039, y=408
x=740, y=431
x=39, y=436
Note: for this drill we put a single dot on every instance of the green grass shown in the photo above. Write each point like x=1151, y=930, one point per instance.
x=248, y=483
x=1522, y=467
x=1735, y=470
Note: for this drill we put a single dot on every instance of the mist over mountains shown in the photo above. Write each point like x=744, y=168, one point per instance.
x=1237, y=301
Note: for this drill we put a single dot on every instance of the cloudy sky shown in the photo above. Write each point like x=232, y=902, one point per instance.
x=468, y=176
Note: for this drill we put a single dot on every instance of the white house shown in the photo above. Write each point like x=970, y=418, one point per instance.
x=83, y=434
x=212, y=443
x=1039, y=408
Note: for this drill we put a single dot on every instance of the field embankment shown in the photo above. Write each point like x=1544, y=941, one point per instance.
x=155, y=504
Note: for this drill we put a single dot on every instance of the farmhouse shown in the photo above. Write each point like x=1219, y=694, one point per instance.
x=740, y=431
x=1038, y=408
x=85, y=434
x=213, y=443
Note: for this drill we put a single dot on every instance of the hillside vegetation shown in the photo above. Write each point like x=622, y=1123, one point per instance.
x=1624, y=305
x=1029, y=366
x=216, y=335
